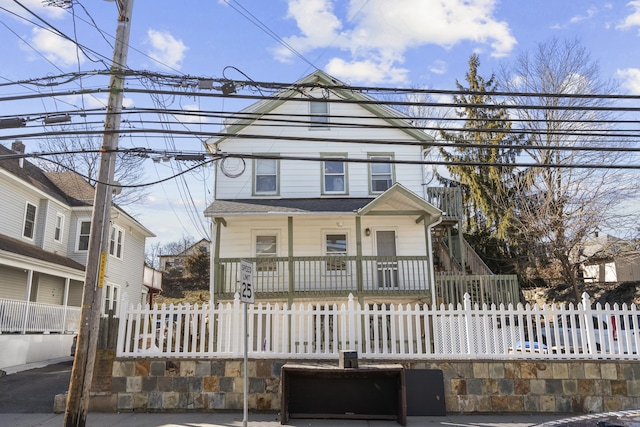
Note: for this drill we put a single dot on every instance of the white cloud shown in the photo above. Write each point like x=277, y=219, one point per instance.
x=365, y=71
x=166, y=49
x=59, y=51
x=591, y=12
x=37, y=6
x=378, y=32
x=633, y=20
x=438, y=67
x=630, y=79
x=191, y=118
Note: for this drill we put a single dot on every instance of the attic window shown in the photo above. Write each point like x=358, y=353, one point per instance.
x=319, y=114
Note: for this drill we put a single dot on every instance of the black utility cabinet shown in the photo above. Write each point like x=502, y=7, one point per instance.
x=321, y=391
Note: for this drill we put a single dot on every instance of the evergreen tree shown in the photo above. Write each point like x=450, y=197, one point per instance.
x=485, y=185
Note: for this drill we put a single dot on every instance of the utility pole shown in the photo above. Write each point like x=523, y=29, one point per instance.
x=87, y=343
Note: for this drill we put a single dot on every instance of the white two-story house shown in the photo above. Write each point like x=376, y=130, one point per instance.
x=322, y=189
x=44, y=237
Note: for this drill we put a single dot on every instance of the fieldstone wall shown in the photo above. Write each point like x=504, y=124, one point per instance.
x=155, y=385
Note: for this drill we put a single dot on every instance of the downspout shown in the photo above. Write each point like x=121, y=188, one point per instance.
x=432, y=274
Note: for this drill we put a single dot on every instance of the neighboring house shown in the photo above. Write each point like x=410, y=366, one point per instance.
x=44, y=236
x=610, y=259
x=348, y=213
x=176, y=261
x=152, y=282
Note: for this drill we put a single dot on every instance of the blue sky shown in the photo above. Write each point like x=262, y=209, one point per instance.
x=396, y=43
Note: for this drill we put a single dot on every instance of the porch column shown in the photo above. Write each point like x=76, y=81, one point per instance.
x=28, y=301
x=65, y=303
x=359, y=280
x=463, y=261
x=290, y=255
x=215, y=278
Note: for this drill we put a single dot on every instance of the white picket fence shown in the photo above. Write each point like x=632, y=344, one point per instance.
x=305, y=331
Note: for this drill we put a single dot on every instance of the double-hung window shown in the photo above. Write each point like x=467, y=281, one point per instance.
x=57, y=232
x=380, y=173
x=266, y=176
x=334, y=176
x=111, y=295
x=266, y=249
x=116, y=241
x=335, y=245
x=29, y=228
x=83, y=235
x=319, y=114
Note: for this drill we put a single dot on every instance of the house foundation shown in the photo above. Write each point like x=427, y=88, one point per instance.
x=179, y=385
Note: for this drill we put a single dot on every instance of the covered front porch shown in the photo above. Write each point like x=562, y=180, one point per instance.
x=365, y=276
x=374, y=248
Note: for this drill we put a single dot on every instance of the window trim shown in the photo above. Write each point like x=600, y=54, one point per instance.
x=325, y=252
x=392, y=171
x=319, y=120
x=254, y=186
x=108, y=300
x=118, y=244
x=79, y=235
x=58, y=229
x=345, y=173
x=26, y=221
x=266, y=233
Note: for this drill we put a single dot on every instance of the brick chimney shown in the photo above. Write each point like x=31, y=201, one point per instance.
x=18, y=147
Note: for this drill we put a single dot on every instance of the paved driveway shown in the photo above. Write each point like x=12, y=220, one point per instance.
x=33, y=391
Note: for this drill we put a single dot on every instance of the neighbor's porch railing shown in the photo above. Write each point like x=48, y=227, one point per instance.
x=412, y=331
x=34, y=317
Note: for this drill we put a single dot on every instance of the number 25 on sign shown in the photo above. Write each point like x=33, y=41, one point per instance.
x=246, y=286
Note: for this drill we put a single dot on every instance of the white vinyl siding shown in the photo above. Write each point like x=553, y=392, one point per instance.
x=13, y=284
x=302, y=179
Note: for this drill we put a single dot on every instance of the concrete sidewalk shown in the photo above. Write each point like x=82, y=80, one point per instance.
x=225, y=419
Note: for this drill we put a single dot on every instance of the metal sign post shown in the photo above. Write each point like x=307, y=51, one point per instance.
x=247, y=297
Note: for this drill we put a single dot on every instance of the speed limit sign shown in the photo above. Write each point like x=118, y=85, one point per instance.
x=246, y=286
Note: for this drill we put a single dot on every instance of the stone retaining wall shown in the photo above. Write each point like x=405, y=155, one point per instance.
x=470, y=387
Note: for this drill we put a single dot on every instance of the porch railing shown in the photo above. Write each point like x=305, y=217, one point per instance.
x=448, y=200
x=327, y=274
x=412, y=331
x=369, y=275
x=34, y=317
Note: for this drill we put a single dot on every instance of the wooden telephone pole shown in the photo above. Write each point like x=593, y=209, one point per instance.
x=87, y=343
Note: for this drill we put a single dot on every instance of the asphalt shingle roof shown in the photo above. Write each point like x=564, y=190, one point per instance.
x=247, y=206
